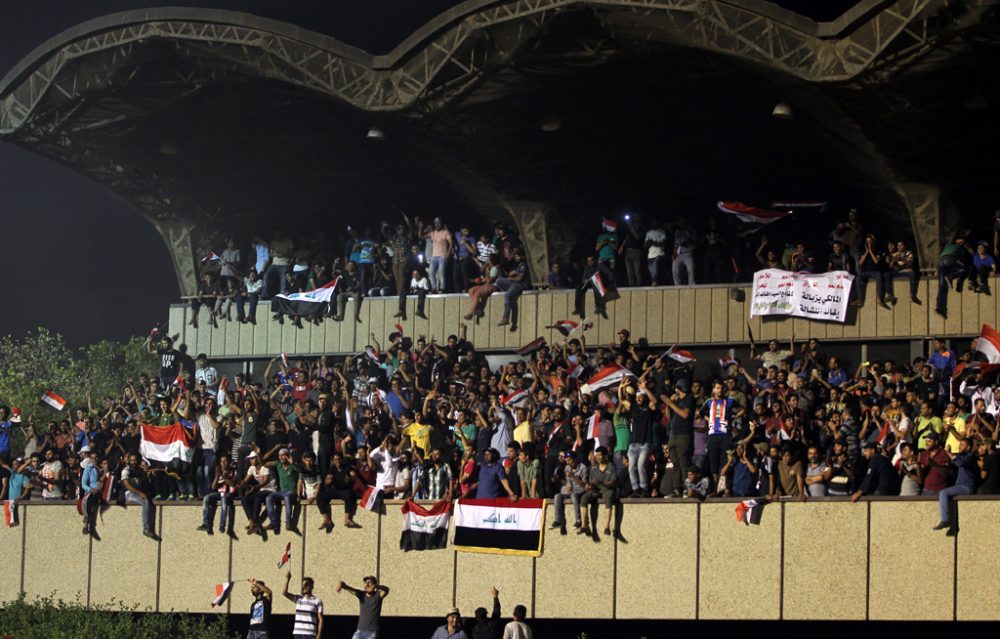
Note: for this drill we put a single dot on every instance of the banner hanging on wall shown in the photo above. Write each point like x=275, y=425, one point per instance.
x=821, y=296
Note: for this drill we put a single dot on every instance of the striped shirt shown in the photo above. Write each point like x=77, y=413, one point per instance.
x=308, y=610
x=719, y=413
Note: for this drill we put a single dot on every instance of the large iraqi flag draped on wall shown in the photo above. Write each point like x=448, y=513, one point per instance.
x=305, y=303
x=499, y=526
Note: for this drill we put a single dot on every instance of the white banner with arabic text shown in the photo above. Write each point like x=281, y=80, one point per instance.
x=821, y=296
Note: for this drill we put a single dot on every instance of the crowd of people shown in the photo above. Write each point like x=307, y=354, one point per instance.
x=421, y=419
x=417, y=258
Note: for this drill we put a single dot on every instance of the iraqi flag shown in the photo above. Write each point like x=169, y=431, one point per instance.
x=591, y=430
x=425, y=528
x=752, y=214
x=9, y=513
x=749, y=511
x=726, y=361
x=304, y=304
x=222, y=592
x=108, y=489
x=679, y=355
x=609, y=225
x=515, y=399
x=370, y=499
x=220, y=395
x=373, y=354
x=533, y=346
x=574, y=370
x=52, y=400
x=285, y=556
x=783, y=205
x=499, y=527
x=566, y=327
x=166, y=443
x=610, y=375
x=211, y=257
x=986, y=353
x=606, y=290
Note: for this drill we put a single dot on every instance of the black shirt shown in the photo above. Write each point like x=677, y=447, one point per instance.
x=169, y=361
x=260, y=614
x=683, y=425
x=642, y=424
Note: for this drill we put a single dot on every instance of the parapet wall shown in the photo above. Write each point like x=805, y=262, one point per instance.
x=828, y=559
x=696, y=315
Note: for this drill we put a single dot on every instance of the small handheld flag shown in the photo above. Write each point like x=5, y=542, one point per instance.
x=211, y=257
x=609, y=225
x=285, y=556
x=222, y=592
x=531, y=347
x=370, y=499
x=53, y=401
x=9, y=513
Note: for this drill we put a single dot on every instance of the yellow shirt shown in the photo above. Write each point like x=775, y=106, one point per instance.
x=959, y=425
x=420, y=436
x=523, y=433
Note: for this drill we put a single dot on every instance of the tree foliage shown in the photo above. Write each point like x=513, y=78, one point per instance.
x=47, y=618
x=42, y=361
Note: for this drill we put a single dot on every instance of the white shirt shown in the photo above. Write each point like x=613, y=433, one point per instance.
x=656, y=235
x=517, y=630
x=423, y=283
x=308, y=610
x=386, y=468
x=207, y=434
x=208, y=375
x=263, y=477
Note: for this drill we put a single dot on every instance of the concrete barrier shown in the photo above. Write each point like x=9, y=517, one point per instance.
x=827, y=559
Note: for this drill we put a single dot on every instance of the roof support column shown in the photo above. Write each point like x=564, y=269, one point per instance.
x=177, y=236
x=932, y=220
x=532, y=229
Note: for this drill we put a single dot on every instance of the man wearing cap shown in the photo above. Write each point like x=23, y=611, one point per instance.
x=288, y=482
x=256, y=486
x=680, y=407
x=452, y=628
x=880, y=476
x=934, y=462
x=203, y=372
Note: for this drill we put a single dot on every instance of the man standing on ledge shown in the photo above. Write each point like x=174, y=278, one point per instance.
x=260, y=610
x=370, y=597
x=308, y=610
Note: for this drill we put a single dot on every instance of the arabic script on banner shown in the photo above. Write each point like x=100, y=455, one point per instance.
x=821, y=296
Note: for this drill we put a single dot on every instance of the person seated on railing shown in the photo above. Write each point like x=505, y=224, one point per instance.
x=984, y=267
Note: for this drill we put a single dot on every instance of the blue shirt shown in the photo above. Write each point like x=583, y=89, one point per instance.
x=6, y=428
x=16, y=485
x=489, y=482
x=942, y=360
x=89, y=479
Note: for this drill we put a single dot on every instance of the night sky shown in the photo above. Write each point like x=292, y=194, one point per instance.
x=76, y=259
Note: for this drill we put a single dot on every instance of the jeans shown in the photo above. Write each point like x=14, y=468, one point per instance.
x=948, y=267
x=862, y=285
x=561, y=507
x=460, y=274
x=148, y=510
x=512, y=293
x=437, y=273
x=252, y=504
x=580, y=300
x=655, y=265
x=913, y=276
x=204, y=472
x=944, y=499
x=274, y=272
x=208, y=505
x=342, y=303
x=288, y=496
x=633, y=266
x=683, y=263
x=717, y=447
x=681, y=447
x=251, y=299
x=638, y=466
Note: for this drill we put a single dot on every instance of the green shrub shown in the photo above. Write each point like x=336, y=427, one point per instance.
x=48, y=618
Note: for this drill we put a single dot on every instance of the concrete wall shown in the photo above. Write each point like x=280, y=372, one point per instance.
x=826, y=559
x=697, y=315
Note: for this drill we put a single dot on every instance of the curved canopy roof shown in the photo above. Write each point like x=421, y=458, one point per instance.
x=212, y=121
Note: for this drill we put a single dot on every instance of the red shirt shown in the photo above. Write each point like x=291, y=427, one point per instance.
x=935, y=477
